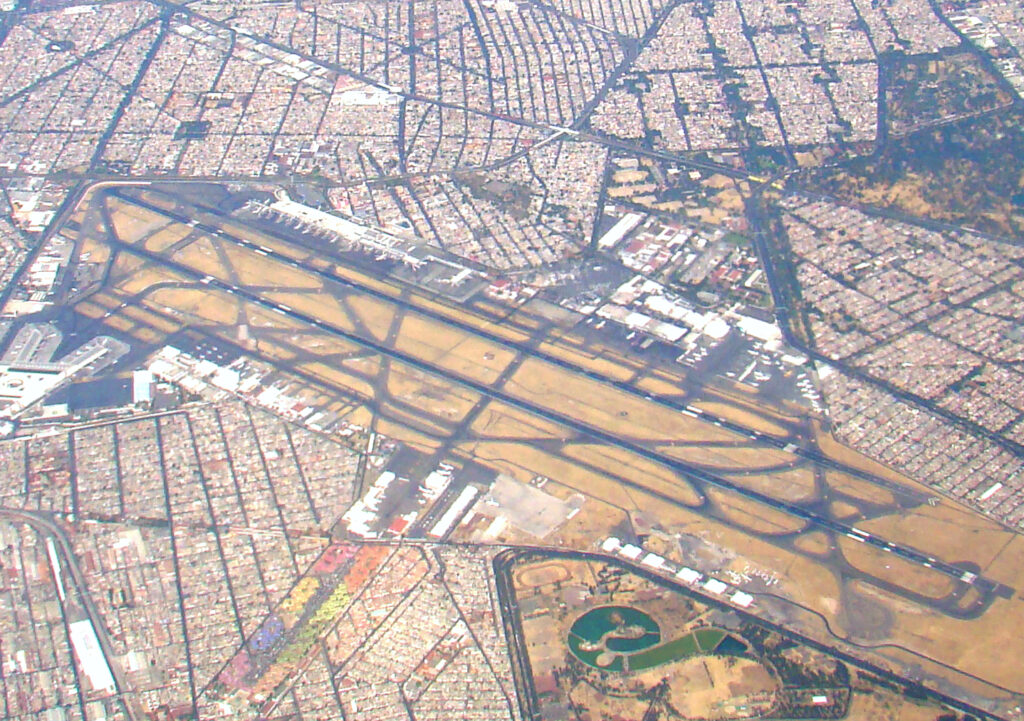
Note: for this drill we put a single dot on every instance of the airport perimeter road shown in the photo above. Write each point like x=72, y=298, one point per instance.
x=983, y=585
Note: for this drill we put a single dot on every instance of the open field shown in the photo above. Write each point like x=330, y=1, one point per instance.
x=858, y=489
x=795, y=484
x=749, y=419
x=452, y=349
x=316, y=304
x=606, y=367
x=373, y=315
x=727, y=456
x=163, y=239
x=639, y=470
x=754, y=516
x=893, y=569
x=256, y=270
x=714, y=687
x=133, y=222
x=500, y=420
x=339, y=378
x=606, y=407
x=815, y=542
x=209, y=306
x=430, y=394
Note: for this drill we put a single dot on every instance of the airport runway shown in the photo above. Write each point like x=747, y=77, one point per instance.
x=984, y=586
x=528, y=349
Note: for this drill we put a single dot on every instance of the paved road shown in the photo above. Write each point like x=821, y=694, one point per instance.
x=44, y=523
x=784, y=304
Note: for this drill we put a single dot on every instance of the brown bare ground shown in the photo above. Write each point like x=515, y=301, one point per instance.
x=745, y=418
x=605, y=407
x=792, y=484
x=890, y=567
x=753, y=515
x=452, y=349
x=632, y=467
x=499, y=420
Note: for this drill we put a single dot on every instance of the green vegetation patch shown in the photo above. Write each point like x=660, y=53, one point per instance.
x=602, y=636
x=676, y=650
x=709, y=638
x=619, y=638
x=956, y=173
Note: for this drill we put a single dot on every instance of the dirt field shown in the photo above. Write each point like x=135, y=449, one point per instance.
x=857, y=488
x=452, y=349
x=844, y=511
x=638, y=470
x=337, y=378
x=322, y=344
x=430, y=394
x=729, y=457
x=201, y=256
x=132, y=277
x=257, y=270
x=605, y=407
x=165, y=238
x=376, y=316
x=814, y=542
x=611, y=707
x=894, y=569
x=502, y=330
x=542, y=574
x=748, y=419
x=794, y=484
x=604, y=366
x=656, y=385
x=93, y=250
x=967, y=645
x=888, y=706
x=316, y=305
x=714, y=686
x=753, y=515
x=499, y=420
x=132, y=222
x=403, y=433
x=210, y=306
x=260, y=317
x=146, y=317
x=90, y=310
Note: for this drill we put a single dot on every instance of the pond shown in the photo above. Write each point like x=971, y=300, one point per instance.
x=601, y=636
x=620, y=638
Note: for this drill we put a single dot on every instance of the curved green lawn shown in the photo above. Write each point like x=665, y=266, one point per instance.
x=620, y=638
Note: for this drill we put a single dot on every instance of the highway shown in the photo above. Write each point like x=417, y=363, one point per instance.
x=526, y=348
x=912, y=555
